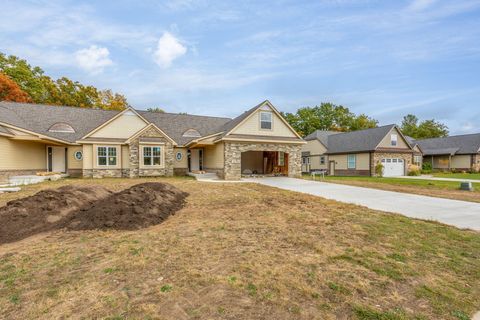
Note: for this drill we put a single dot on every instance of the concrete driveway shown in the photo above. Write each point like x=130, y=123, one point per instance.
x=461, y=214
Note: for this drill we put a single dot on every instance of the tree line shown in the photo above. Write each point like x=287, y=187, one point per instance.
x=20, y=82
x=328, y=116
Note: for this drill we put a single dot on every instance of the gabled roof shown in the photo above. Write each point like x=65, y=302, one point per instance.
x=320, y=135
x=228, y=127
x=174, y=125
x=462, y=144
x=358, y=141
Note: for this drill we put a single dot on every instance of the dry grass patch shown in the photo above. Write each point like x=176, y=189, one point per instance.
x=244, y=251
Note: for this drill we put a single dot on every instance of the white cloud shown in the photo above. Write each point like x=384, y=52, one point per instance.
x=419, y=5
x=93, y=59
x=169, y=48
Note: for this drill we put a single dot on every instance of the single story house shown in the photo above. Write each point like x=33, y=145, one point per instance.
x=452, y=153
x=131, y=143
x=357, y=153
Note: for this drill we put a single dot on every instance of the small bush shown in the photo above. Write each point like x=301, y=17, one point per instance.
x=427, y=166
x=379, y=169
x=413, y=170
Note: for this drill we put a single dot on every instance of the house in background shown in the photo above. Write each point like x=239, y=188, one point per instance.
x=452, y=153
x=357, y=153
x=133, y=143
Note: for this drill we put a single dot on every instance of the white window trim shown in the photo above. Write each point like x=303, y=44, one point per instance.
x=393, y=138
x=322, y=160
x=107, y=156
x=354, y=161
x=271, y=120
x=75, y=155
x=162, y=156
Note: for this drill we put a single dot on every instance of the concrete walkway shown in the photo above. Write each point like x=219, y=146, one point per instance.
x=427, y=177
x=461, y=214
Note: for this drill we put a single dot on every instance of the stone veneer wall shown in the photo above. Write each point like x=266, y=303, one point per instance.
x=233, y=155
x=75, y=172
x=102, y=173
x=476, y=162
x=377, y=157
x=134, y=168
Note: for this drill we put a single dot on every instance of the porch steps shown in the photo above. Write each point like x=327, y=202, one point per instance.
x=204, y=176
x=31, y=179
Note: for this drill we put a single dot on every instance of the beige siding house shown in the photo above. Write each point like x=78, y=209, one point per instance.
x=132, y=143
x=358, y=153
x=460, y=153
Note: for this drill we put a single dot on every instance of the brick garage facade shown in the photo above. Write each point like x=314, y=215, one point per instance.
x=376, y=157
x=233, y=157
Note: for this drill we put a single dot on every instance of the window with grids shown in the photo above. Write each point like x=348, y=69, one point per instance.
x=152, y=156
x=266, y=120
x=393, y=139
x=351, y=161
x=107, y=156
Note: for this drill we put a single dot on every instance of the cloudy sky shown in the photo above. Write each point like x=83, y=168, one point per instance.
x=383, y=58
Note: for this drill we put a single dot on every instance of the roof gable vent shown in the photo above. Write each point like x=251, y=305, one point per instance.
x=191, y=133
x=61, y=127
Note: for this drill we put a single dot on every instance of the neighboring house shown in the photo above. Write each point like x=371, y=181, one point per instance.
x=452, y=153
x=357, y=153
x=314, y=155
x=132, y=143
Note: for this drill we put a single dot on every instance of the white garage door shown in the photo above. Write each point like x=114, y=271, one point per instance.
x=393, y=167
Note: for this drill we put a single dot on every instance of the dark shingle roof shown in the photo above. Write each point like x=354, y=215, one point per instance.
x=39, y=118
x=320, y=135
x=357, y=141
x=463, y=144
x=174, y=125
x=5, y=130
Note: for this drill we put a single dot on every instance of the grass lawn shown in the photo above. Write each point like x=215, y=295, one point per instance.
x=245, y=251
x=433, y=188
x=471, y=176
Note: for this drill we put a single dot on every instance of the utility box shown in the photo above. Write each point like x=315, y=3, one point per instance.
x=468, y=186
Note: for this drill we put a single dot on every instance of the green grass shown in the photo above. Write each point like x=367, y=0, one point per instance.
x=454, y=185
x=471, y=176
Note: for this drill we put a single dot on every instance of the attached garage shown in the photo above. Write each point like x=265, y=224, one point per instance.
x=393, y=167
x=264, y=163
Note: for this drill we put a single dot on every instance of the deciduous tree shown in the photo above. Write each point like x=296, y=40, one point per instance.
x=328, y=116
x=425, y=129
x=10, y=91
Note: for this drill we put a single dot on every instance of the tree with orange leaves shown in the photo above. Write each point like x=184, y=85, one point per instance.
x=10, y=91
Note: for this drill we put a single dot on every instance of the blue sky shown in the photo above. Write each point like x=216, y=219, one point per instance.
x=382, y=58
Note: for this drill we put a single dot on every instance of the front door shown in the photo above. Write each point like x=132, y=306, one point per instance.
x=57, y=159
x=196, y=160
x=331, y=170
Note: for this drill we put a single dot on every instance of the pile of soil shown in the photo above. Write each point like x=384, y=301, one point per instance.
x=87, y=208
x=140, y=206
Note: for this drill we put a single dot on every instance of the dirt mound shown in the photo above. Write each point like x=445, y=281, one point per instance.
x=41, y=212
x=140, y=206
x=89, y=207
